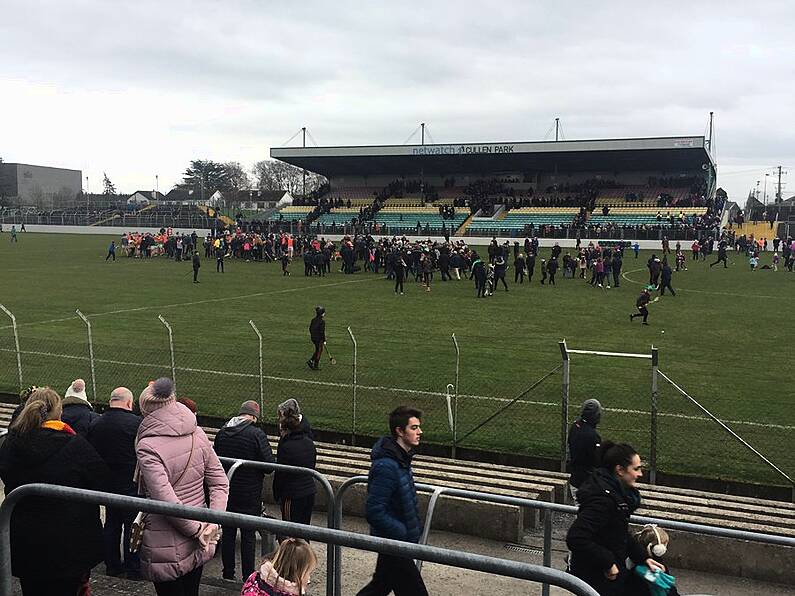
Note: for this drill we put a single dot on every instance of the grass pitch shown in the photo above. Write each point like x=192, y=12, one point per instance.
x=727, y=337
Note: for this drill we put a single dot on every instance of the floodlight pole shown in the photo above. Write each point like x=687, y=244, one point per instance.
x=557, y=128
x=564, y=409
x=454, y=424
x=90, y=352
x=16, y=342
x=171, y=348
x=261, y=379
x=353, y=408
x=653, y=433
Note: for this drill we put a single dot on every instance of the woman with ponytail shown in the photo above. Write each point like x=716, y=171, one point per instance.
x=599, y=539
x=54, y=542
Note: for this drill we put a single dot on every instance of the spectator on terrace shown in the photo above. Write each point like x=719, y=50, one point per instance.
x=41, y=448
x=295, y=493
x=176, y=463
x=77, y=411
x=113, y=436
x=240, y=438
x=599, y=538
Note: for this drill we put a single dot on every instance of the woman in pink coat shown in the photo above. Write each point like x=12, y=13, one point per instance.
x=175, y=463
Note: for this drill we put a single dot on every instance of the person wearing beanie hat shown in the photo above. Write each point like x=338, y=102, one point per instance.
x=176, y=464
x=295, y=493
x=241, y=438
x=77, y=411
x=583, y=444
x=158, y=394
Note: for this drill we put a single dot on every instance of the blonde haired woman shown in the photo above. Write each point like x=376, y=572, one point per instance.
x=54, y=542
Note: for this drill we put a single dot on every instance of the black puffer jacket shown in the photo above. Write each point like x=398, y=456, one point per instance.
x=53, y=536
x=78, y=414
x=295, y=449
x=599, y=538
x=241, y=438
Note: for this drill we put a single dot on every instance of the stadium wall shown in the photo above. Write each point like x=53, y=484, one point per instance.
x=470, y=240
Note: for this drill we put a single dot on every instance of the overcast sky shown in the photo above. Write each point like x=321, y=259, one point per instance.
x=138, y=88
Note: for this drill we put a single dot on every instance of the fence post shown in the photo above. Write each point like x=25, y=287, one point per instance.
x=653, y=437
x=171, y=348
x=16, y=343
x=454, y=430
x=90, y=352
x=564, y=414
x=261, y=379
x=355, y=362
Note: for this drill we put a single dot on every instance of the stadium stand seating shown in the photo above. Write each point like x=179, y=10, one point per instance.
x=405, y=219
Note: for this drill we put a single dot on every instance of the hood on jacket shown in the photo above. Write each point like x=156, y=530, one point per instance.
x=388, y=447
x=284, y=586
x=237, y=424
x=74, y=400
x=172, y=420
x=30, y=449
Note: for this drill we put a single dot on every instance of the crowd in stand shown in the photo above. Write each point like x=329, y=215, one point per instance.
x=157, y=451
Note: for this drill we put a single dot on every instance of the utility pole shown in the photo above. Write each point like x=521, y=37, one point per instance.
x=88, y=196
x=303, y=130
x=778, y=191
x=557, y=128
x=764, y=193
x=710, y=131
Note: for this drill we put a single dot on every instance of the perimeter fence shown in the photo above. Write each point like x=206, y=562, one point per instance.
x=459, y=382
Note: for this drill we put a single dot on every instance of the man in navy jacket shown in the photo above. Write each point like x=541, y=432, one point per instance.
x=391, y=508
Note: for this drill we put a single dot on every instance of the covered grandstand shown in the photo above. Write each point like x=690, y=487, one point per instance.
x=615, y=188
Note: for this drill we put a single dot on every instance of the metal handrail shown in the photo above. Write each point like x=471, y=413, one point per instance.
x=235, y=463
x=384, y=546
x=548, y=508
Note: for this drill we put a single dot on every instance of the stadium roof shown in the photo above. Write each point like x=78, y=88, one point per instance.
x=660, y=153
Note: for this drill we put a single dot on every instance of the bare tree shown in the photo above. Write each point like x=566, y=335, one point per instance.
x=278, y=175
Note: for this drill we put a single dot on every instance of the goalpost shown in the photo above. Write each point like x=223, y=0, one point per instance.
x=566, y=352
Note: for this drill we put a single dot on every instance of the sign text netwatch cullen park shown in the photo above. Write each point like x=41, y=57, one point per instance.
x=461, y=149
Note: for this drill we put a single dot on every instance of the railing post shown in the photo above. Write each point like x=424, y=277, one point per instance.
x=547, y=554
x=261, y=378
x=16, y=343
x=564, y=405
x=353, y=386
x=653, y=434
x=90, y=352
x=171, y=349
x=455, y=395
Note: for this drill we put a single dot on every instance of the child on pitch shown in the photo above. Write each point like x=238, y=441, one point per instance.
x=651, y=543
x=753, y=261
x=285, y=572
x=776, y=259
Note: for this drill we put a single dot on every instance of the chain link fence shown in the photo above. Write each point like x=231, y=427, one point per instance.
x=467, y=400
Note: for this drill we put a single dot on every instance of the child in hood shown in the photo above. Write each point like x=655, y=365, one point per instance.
x=286, y=572
x=653, y=542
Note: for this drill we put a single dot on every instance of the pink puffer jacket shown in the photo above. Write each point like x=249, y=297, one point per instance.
x=170, y=549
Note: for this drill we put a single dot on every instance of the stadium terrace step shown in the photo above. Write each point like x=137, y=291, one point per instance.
x=463, y=227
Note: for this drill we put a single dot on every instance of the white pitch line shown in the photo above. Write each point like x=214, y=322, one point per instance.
x=678, y=289
x=180, y=304
x=393, y=389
